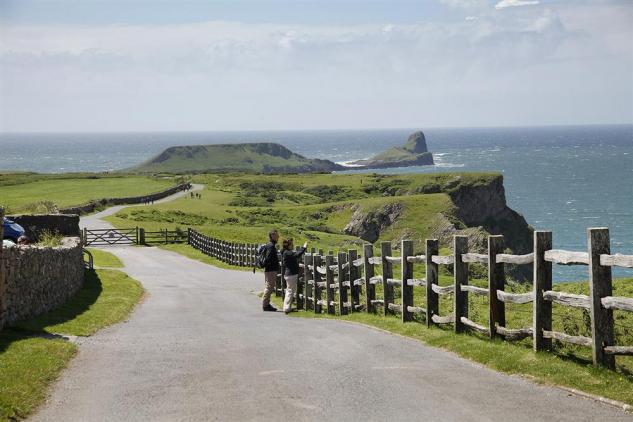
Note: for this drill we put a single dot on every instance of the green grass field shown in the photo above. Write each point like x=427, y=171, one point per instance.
x=29, y=363
x=22, y=193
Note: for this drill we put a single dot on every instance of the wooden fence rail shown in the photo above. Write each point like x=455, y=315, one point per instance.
x=334, y=284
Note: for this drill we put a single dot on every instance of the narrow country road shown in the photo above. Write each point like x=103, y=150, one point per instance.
x=94, y=221
x=199, y=348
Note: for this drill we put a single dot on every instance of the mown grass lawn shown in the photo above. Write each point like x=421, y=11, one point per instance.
x=29, y=362
x=27, y=192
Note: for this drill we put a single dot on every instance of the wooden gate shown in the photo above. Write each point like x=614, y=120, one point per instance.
x=105, y=237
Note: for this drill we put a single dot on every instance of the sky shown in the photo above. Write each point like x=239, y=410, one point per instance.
x=182, y=65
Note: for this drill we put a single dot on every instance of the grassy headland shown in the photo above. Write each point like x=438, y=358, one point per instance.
x=316, y=207
x=252, y=157
x=38, y=193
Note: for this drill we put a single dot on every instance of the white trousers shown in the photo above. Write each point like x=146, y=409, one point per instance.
x=291, y=291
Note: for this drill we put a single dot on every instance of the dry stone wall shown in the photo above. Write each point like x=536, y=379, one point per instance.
x=92, y=205
x=38, y=279
x=34, y=225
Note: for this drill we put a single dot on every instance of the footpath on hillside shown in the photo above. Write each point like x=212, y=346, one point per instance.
x=200, y=348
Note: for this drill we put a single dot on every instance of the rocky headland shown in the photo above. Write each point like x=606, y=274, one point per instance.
x=413, y=153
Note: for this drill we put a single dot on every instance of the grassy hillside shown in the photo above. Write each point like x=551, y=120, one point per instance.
x=255, y=157
x=312, y=207
x=37, y=193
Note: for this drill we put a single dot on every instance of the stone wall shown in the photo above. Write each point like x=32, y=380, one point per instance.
x=34, y=225
x=39, y=279
x=92, y=205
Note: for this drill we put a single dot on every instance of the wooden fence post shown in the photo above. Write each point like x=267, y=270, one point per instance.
x=342, y=290
x=301, y=282
x=370, y=289
x=542, y=314
x=329, y=279
x=406, y=250
x=282, y=276
x=387, y=273
x=496, y=281
x=353, y=276
x=600, y=286
x=316, y=262
x=460, y=277
x=84, y=235
x=432, y=302
x=307, y=276
x=141, y=234
x=166, y=238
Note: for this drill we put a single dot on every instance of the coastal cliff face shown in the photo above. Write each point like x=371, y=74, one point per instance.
x=474, y=207
x=485, y=206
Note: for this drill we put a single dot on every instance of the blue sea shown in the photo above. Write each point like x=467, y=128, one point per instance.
x=563, y=179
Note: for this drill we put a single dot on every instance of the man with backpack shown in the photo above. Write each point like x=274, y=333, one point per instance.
x=269, y=261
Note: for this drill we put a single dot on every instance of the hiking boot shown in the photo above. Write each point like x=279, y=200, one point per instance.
x=270, y=308
x=288, y=311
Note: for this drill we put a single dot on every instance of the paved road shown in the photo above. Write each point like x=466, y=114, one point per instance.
x=199, y=348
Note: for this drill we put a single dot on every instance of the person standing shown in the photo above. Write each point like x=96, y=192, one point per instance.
x=291, y=269
x=271, y=269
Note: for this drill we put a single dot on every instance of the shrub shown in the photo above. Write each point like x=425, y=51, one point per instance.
x=50, y=238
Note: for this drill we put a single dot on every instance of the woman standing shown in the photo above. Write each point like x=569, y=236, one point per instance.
x=291, y=265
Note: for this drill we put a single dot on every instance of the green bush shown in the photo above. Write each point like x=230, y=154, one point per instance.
x=50, y=238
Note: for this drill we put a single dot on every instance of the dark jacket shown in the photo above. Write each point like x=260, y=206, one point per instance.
x=291, y=261
x=272, y=259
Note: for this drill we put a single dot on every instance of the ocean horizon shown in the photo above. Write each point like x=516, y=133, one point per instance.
x=561, y=178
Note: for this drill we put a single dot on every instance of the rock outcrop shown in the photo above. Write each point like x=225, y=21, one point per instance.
x=485, y=205
x=413, y=153
x=368, y=226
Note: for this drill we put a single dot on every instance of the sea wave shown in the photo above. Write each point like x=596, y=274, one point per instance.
x=448, y=165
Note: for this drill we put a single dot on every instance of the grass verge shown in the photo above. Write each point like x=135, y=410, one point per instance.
x=29, y=363
x=543, y=367
x=27, y=366
x=105, y=259
x=107, y=297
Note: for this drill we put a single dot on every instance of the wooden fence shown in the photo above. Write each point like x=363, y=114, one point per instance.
x=329, y=283
x=165, y=236
x=233, y=253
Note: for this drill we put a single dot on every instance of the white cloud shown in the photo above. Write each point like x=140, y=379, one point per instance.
x=533, y=67
x=465, y=4
x=515, y=3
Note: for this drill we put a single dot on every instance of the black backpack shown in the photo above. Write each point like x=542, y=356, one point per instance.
x=261, y=256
